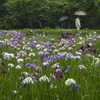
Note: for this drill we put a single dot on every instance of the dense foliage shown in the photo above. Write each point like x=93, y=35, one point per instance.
x=46, y=13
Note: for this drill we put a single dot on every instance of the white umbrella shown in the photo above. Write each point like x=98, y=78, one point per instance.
x=80, y=13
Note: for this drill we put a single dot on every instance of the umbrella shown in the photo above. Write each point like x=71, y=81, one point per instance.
x=80, y=13
x=63, y=18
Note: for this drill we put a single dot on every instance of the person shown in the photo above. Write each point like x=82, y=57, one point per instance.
x=63, y=24
x=77, y=23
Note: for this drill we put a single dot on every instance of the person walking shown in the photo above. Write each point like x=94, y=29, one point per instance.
x=63, y=25
x=77, y=23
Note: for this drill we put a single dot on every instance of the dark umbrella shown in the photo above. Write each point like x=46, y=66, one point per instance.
x=63, y=18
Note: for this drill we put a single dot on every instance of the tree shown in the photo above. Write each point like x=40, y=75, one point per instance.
x=2, y=12
x=46, y=13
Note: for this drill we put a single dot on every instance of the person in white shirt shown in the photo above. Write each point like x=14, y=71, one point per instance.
x=77, y=23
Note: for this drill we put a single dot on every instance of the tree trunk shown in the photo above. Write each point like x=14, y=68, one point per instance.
x=38, y=22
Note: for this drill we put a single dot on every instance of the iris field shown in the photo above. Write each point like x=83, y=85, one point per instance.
x=44, y=66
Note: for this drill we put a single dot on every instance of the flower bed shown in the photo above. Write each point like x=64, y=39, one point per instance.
x=40, y=66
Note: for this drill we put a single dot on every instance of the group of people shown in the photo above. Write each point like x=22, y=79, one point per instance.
x=77, y=24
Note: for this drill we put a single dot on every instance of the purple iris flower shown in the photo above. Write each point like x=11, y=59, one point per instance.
x=64, y=32
x=35, y=74
x=70, y=45
x=31, y=65
x=69, y=56
x=15, y=92
x=46, y=53
x=3, y=63
x=61, y=76
x=58, y=70
x=45, y=63
x=92, y=38
x=13, y=43
x=52, y=39
x=65, y=35
x=81, y=67
x=25, y=74
x=59, y=57
x=28, y=58
x=1, y=37
x=34, y=79
x=27, y=64
x=1, y=33
x=4, y=72
x=24, y=85
x=41, y=56
x=86, y=50
x=72, y=88
x=49, y=43
x=50, y=50
x=82, y=48
x=21, y=78
x=48, y=47
x=93, y=44
x=68, y=66
x=88, y=46
x=51, y=58
x=33, y=44
x=76, y=87
x=40, y=52
x=94, y=50
x=39, y=41
x=19, y=41
x=66, y=71
x=45, y=59
x=95, y=65
x=60, y=35
x=32, y=40
x=35, y=60
x=53, y=77
x=56, y=65
x=59, y=38
x=25, y=40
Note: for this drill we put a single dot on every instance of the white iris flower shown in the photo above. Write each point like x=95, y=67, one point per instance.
x=28, y=80
x=70, y=81
x=44, y=78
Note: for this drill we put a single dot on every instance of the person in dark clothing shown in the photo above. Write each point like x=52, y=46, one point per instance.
x=63, y=25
